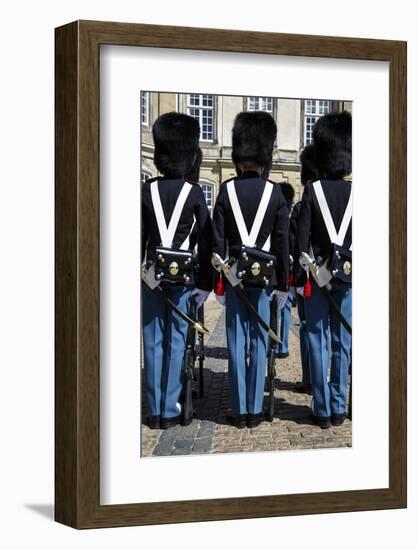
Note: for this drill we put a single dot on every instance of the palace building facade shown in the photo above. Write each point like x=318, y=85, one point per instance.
x=295, y=119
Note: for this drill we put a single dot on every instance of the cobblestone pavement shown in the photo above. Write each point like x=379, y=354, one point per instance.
x=209, y=432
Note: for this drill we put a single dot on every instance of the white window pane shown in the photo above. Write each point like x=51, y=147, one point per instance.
x=144, y=107
x=208, y=194
x=144, y=176
x=316, y=107
x=193, y=99
x=260, y=104
x=205, y=116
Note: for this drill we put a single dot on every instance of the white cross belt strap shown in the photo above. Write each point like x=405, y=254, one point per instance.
x=167, y=233
x=249, y=239
x=335, y=237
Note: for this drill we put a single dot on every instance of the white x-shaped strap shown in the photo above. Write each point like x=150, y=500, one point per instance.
x=335, y=237
x=249, y=239
x=167, y=233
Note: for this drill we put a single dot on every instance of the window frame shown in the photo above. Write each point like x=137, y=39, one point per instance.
x=146, y=95
x=211, y=186
x=144, y=171
x=313, y=114
x=273, y=104
x=200, y=107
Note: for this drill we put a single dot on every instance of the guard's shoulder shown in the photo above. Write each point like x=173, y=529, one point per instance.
x=296, y=209
x=230, y=179
x=272, y=181
x=146, y=187
x=192, y=182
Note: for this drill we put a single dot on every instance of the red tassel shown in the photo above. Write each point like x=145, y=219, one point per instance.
x=220, y=287
x=307, y=288
x=291, y=281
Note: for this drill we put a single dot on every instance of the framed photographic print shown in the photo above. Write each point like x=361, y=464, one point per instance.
x=151, y=425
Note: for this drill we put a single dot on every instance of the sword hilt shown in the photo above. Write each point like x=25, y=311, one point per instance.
x=201, y=328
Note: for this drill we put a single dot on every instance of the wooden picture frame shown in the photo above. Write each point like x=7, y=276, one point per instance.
x=77, y=274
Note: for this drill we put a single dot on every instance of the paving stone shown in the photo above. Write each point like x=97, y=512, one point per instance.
x=191, y=430
x=162, y=449
x=184, y=443
x=202, y=445
x=206, y=429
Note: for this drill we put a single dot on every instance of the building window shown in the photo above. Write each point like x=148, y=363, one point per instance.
x=144, y=108
x=201, y=107
x=260, y=104
x=144, y=175
x=208, y=195
x=313, y=110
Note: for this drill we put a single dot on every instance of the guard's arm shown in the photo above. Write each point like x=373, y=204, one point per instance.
x=204, y=242
x=280, y=242
x=145, y=222
x=304, y=221
x=219, y=225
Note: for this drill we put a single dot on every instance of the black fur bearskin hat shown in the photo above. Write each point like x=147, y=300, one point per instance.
x=253, y=138
x=176, y=137
x=288, y=192
x=308, y=164
x=332, y=138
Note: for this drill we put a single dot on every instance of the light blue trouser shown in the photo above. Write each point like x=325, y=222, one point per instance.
x=305, y=362
x=247, y=344
x=285, y=325
x=328, y=397
x=164, y=342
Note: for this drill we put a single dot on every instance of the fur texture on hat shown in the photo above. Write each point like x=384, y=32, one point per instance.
x=308, y=164
x=253, y=137
x=332, y=138
x=176, y=137
x=288, y=192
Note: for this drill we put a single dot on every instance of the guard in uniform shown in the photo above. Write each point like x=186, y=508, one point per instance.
x=325, y=234
x=173, y=206
x=250, y=229
x=308, y=173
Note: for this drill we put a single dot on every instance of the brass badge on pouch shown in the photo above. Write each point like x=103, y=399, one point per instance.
x=173, y=268
x=347, y=268
x=255, y=269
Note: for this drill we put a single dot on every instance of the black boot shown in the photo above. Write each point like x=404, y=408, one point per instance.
x=254, y=420
x=237, y=420
x=170, y=422
x=154, y=422
x=322, y=421
x=338, y=419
